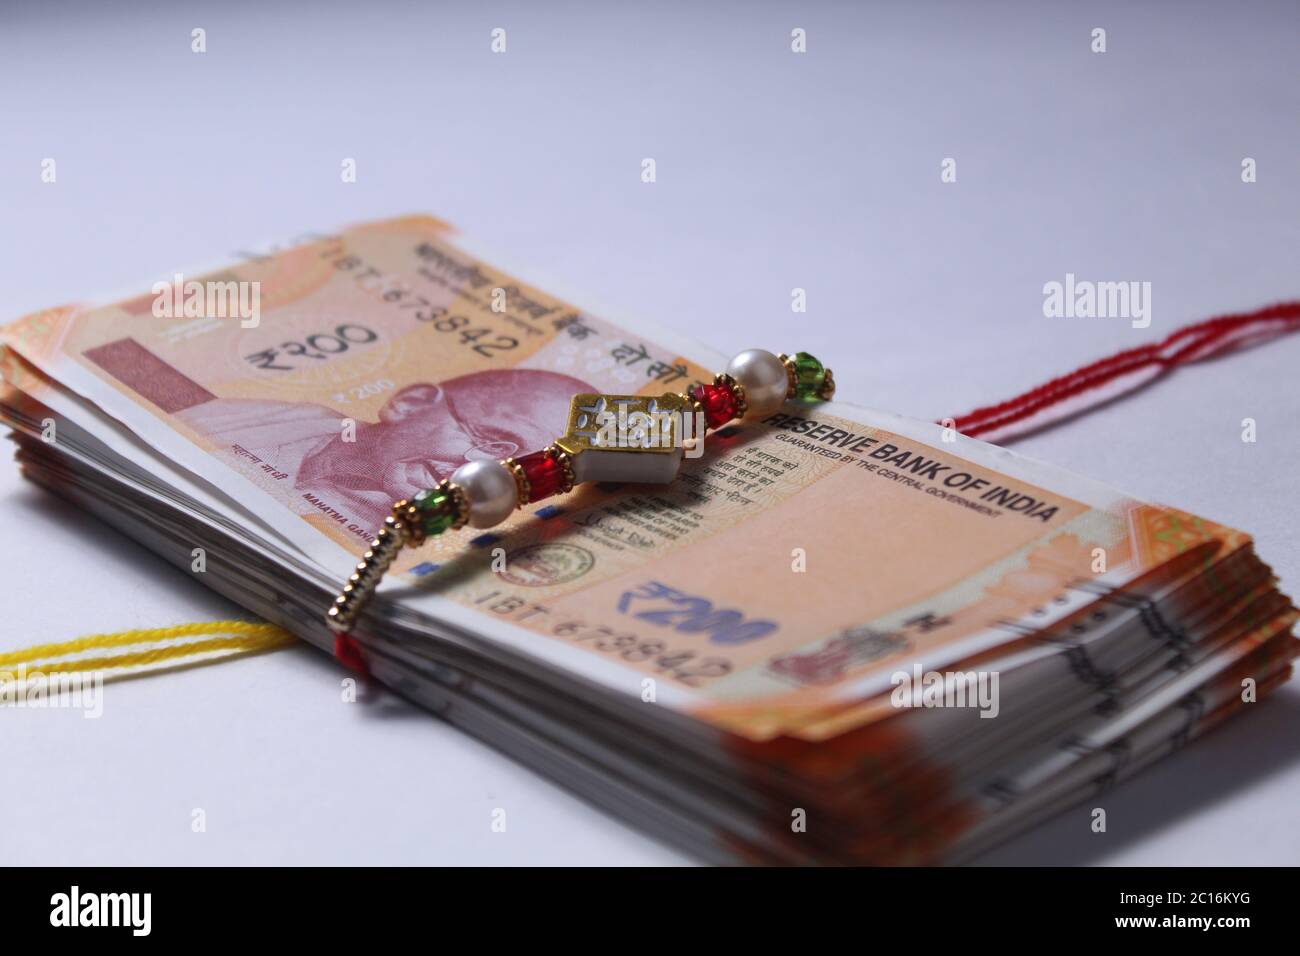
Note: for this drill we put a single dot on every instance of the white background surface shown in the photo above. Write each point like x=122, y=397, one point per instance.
x=775, y=170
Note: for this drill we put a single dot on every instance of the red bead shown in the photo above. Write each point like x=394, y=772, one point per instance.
x=545, y=475
x=718, y=401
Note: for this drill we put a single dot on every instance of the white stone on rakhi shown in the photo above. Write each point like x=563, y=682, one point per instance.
x=490, y=489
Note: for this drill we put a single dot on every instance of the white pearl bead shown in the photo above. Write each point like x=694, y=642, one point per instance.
x=490, y=489
x=763, y=378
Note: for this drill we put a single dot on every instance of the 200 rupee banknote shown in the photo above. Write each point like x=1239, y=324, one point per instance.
x=777, y=585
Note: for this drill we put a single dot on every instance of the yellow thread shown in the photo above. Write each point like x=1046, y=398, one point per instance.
x=233, y=639
x=127, y=638
x=234, y=645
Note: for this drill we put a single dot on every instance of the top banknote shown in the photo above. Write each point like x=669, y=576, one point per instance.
x=772, y=589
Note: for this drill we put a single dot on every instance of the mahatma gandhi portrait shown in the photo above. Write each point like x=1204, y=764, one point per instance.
x=424, y=433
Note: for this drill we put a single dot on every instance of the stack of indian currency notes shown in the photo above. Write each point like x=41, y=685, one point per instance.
x=840, y=636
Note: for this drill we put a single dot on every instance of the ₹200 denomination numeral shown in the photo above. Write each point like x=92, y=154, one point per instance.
x=318, y=346
x=694, y=615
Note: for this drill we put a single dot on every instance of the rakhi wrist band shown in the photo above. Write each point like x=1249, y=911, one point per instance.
x=648, y=450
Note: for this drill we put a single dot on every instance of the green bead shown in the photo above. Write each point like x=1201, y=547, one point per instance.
x=437, y=510
x=809, y=374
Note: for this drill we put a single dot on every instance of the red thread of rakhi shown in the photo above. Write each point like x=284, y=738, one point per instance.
x=1192, y=343
x=348, y=653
